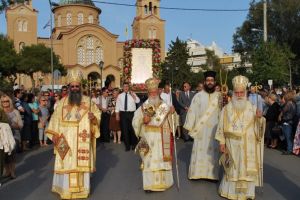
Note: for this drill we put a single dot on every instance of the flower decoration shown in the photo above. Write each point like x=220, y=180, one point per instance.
x=156, y=61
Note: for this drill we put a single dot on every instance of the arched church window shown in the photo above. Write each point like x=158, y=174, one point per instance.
x=146, y=9
x=20, y=25
x=89, y=50
x=89, y=56
x=152, y=33
x=59, y=20
x=89, y=42
x=24, y=26
x=120, y=63
x=99, y=54
x=80, y=55
x=150, y=8
x=91, y=19
x=155, y=10
x=80, y=18
x=21, y=46
x=69, y=19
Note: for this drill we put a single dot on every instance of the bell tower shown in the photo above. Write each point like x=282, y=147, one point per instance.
x=147, y=23
x=21, y=20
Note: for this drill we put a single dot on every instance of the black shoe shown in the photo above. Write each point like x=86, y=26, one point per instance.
x=148, y=191
x=287, y=153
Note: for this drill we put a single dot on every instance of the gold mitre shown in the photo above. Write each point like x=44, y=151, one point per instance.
x=152, y=84
x=74, y=75
x=240, y=81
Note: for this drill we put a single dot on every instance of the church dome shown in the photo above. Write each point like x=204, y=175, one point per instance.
x=82, y=2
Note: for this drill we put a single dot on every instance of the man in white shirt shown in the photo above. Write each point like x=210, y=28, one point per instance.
x=255, y=98
x=105, y=116
x=125, y=108
x=171, y=101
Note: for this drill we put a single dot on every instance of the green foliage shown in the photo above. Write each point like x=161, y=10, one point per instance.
x=283, y=27
x=176, y=63
x=37, y=58
x=3, y=5
x=6, y=86
x=271, y=61
x=8, y=59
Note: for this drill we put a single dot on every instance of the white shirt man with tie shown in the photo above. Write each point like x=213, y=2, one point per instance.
x=125, y=108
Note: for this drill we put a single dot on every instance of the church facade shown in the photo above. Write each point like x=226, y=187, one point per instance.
x=78, y=37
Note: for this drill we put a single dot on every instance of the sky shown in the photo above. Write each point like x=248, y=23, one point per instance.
x=204, y=27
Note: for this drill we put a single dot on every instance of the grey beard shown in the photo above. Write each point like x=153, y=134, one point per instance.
x=154, y=100
x=239, y=104
x=75, y=98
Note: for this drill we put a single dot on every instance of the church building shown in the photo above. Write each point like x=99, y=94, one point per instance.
x=78, y=37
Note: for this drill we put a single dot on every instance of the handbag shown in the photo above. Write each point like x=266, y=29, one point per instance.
x=277, y=129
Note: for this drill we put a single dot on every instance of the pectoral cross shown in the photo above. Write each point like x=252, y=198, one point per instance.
x=234, y=126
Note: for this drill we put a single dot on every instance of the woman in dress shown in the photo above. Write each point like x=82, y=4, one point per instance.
x=16, y=124
x=272, y=116
x=114, y=125
x=57, y=97
x=26, y=132
x=296, y=148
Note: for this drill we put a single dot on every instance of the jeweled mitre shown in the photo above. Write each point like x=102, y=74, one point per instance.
x=240, y=81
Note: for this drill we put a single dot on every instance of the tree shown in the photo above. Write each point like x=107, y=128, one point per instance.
x=283, y=27
x=271, y=61
x=8, y=59
x=37, y=58
x=3, y=5
x=176, y=62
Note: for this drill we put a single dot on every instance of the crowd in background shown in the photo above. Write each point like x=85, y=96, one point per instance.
x=28, y=115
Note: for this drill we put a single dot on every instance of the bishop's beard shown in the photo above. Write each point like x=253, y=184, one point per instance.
x=155, y=101
x=75, y=97
x=239, y=103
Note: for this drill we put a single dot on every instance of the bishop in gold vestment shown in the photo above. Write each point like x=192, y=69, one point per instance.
x=152, y=124
x=73, y=128
x=240, y=137
x=201, y=122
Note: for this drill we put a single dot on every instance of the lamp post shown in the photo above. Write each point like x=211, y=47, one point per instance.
x=51, y=42
x=265, y=30
x=101, y=64
x=172, y=74
x=265, y=21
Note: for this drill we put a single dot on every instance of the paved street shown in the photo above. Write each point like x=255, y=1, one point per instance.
x=118, y=177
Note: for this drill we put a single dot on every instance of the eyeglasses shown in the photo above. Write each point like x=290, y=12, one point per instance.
x=55, y=96
x=5, y=101
x=74, y=86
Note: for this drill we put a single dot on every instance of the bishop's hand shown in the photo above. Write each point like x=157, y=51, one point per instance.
x=55, y=139
x=91, y=116
x=258, y=113
x=146, y=119
x=222, y=148
x=172, y=109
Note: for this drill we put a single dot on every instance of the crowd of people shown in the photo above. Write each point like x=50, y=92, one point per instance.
x=28, y=115
x=281, y=108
